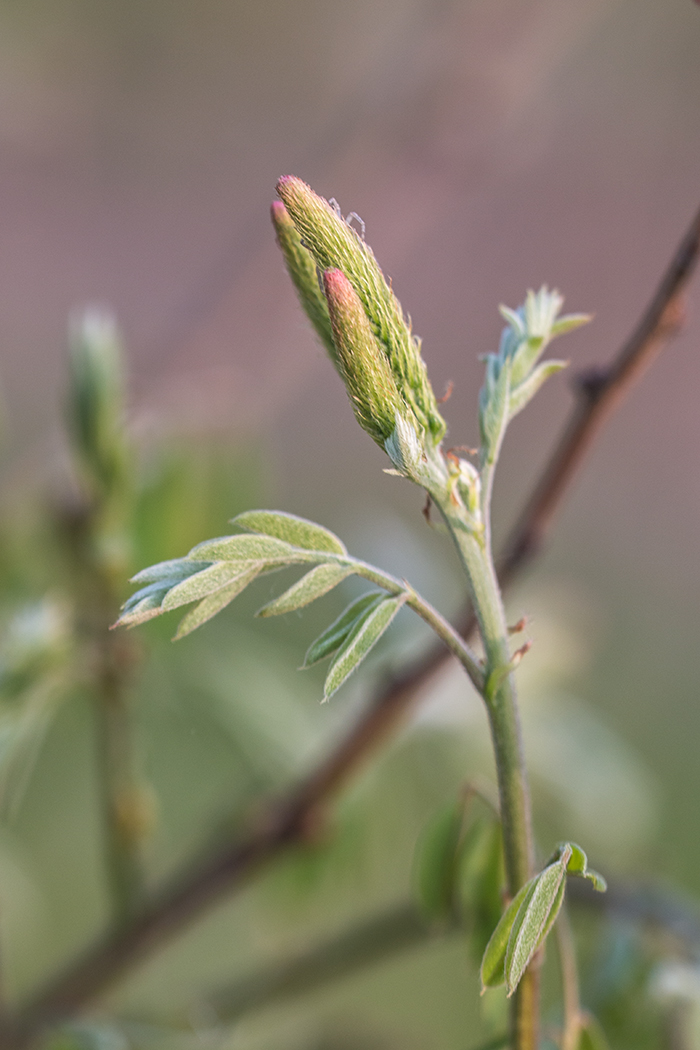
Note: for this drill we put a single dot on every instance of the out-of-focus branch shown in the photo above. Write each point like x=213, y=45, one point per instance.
x=402, y=928
x=369, y=942
x=288, y=821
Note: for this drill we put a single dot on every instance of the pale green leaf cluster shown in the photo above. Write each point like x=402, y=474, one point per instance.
x=217, y=571
x=513, y=375
x=332, y=245
x=530, y=916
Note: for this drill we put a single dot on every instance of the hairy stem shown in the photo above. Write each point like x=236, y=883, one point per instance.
x=500, y=697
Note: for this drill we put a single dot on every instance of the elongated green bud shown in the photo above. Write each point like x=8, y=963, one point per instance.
x=301, y=267
x=363, y=366
x=335, y=245
x=96, y=400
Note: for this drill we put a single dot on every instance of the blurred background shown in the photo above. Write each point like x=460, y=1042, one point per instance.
x=489, y=146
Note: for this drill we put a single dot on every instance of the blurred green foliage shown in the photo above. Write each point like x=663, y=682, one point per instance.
x=221, y=721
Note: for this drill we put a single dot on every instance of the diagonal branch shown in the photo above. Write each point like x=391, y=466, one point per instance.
x=290, y=819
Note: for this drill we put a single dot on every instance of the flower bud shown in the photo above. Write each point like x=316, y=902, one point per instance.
x=301, y=267
x=362, y=364
x=335, y=245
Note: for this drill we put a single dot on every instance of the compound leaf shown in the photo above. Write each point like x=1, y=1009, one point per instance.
x=360, y=641
x=206, y=582
x=250, y=548
x=334, y=636
x=297, y=531
x=217, y=601
x=321, y=580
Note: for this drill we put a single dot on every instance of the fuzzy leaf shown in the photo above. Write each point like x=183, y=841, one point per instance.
x=360, y=641
x=558, y=901
x=143, y=605
x=321, y=580
x=297, y=531
x=334, y=636
x=210, y=606
x=578, y=865
x=437, y=857
x=597, y=879
x=206, y=582
x=494, y=402
x=245, y=548
x=525, y=358
x=514, y=318
x=176, y=569
x=493, y=962
x=568, y=323
x=534, y=919
x=529, y=387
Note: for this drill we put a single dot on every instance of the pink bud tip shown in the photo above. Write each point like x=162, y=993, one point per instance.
x=337, y=287
x=278, y=212
x=287, y=180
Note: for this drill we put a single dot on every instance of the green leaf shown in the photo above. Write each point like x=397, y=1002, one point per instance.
x=321, y=580
x=599, y=883
x=176, y=569
x=143, y=605
x=334, y=636
x=494, y=404
x=493, y=962
x=578, y=861
x=245, y=548
x=288, y=527
x=437, y=855
x=578, y=865
x=534, y=919
x=568, y=323
x=515, y=319
x=525, y=392
x=525, y=358
x=206, y=582
x=217, y=601
x=360, y=641
x=480, y=879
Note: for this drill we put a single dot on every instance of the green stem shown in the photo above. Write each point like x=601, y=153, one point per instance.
x=501, y=702
x=120, y=794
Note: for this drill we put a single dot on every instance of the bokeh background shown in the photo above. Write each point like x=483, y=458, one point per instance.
x=489, y=146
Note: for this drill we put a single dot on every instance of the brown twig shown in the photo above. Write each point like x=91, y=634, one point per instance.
x=289, y=819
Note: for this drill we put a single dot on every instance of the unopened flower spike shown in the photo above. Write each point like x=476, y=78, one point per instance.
x=364, y=368
x=336, y=246
x=301, y=267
